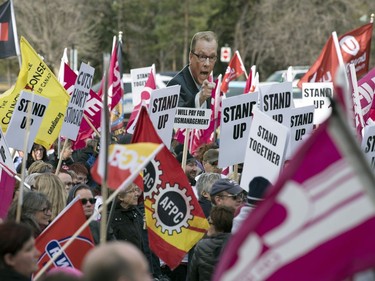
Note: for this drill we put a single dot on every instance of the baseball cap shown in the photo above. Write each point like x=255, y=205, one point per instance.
x=228, y=185
x=189, y=157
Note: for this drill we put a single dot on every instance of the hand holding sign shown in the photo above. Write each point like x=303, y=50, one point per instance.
x=206, y=91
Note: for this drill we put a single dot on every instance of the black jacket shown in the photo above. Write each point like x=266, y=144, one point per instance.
x=206, y=255
x=127, y=224
x=8, y=274
x=188, y=88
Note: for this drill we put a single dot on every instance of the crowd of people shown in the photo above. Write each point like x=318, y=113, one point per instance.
x=56, y=178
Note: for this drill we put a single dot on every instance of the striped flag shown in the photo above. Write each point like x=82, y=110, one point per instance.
x=317, y=223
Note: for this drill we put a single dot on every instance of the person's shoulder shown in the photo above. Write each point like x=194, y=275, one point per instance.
x=179, y=77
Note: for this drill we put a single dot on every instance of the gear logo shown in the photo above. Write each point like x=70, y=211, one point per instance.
x=151, y=177
x=172, y=209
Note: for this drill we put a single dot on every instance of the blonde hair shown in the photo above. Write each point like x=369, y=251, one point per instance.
x=52, y=186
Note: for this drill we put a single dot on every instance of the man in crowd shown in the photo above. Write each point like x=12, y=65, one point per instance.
x=194, y=78
x=228, y=193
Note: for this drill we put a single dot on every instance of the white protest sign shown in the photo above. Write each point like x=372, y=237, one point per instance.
x=5, y=156
x=317, y=94
x=235, y=128
x=193, y=118
x=368, y=144
x=275, y=99
x=16, y=132
x=76, y=107
x=301, y=123
x=265, y=149
x=162, y=111
x=139, y=78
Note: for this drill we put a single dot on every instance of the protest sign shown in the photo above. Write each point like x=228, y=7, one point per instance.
x=193, y=118
x=139, y=78
x=265, y=149
x=162, y=110
x=275, y=98
x=76, y=107
x=368, y=144
x=301, y=125
x=5, y=156
x=235, y=128
x=318, y=94
x=16, y=132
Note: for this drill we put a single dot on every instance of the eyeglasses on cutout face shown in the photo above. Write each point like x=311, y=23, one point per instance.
x=203, y=58
x=91, y=200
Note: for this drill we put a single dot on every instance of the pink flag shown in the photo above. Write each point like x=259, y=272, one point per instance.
x=318, y=221
x=234, y=70
x=7, y=183
x=93, y=109
x=145, y=97
x=115, y=87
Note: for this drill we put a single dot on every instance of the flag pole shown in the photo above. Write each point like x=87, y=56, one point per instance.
x=128, y=181
x=103, y=157
x=60, y=153
x=24, y=159
x=15, y=34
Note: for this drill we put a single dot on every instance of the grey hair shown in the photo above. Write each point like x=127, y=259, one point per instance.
x=208, y=36
x=205, y=182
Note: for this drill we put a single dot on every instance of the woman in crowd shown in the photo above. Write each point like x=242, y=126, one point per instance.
x=66, y=155
x=207, y=251
x=35, y=212
x=38, y=152
x=18, y=254
x=88, y=201
x=54, y=188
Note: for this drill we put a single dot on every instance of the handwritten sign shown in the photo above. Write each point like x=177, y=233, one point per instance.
x=76, y=107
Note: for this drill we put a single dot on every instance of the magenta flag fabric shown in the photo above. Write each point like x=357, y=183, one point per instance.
x=317, y=223
x=7, y=183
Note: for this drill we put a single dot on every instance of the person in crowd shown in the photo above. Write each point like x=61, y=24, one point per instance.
x=30, y=180
x=66, y=178
x=191, y=169
x=38, y=152
x=210, y=161
x=40, y=167
x=207, y=251
x=198, y=154
x=66, y=154
x=18, y=254
x=127, y=221
x=257, y=189
x=88, y=201
x=73, y=175
x=194, y=78
x=35, y=211
x=64, y=274
x=18, y=158
x=116, y=261
x=228, y=193
x=81, y=172
x=54, y=188
x=87, y=157
x=204, y=186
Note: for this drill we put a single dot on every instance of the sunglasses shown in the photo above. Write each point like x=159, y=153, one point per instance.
x=237, y=197
x=91, y=200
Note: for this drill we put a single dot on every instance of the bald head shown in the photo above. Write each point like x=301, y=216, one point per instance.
x=116, y=261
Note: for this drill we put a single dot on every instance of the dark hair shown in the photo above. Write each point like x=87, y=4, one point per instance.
x=222, y=218
x=74, y=189
x=12, y=238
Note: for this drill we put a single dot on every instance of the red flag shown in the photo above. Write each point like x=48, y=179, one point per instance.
x=366, y=89
x=145, y=98
x=92, y=111
x=319, y=211
x=53, y=238
x=355, y=48
x=234, y=70
x=175, y=220
x=7, y=183
x=8, y=37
